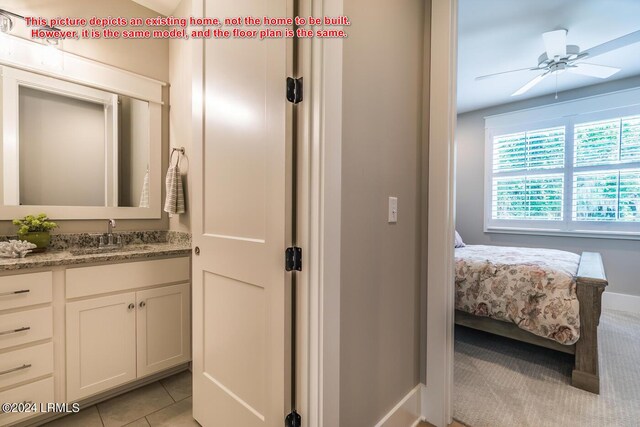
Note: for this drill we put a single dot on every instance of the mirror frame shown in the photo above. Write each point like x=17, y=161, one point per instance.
x=30, y=56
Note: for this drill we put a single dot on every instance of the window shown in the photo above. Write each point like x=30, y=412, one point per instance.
x=568, y=175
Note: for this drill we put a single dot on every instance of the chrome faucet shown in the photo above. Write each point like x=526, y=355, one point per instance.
x=111, y=224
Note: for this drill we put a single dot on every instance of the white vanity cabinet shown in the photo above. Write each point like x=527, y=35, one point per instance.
x=141, y=327
x=80, y=333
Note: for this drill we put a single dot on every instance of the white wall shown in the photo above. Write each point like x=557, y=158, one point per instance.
x=180, y=114
x=148, y=57
x=620, y=256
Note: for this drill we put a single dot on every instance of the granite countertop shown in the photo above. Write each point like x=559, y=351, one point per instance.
x=75, y=255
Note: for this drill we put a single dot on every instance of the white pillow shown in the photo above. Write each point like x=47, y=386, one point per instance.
x=458, y=242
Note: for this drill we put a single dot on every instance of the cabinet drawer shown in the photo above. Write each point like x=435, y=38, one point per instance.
x=25, y=326
x=25, y=364
x=86, y=281
x=23, y=290
x=37, y=392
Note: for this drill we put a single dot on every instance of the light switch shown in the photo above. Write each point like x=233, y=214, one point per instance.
x=393, y=210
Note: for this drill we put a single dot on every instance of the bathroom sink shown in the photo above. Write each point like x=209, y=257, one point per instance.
x=106, y=250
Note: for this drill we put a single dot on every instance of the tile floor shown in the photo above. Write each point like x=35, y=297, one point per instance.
x=164, y=403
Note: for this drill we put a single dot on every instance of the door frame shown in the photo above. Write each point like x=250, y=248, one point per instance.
x=319, y=205
x=437, y=396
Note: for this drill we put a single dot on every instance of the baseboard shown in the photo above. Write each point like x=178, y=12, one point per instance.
x=621, y=302
x=406, y=413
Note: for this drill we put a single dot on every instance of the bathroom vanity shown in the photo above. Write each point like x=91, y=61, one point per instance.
x=81, y=325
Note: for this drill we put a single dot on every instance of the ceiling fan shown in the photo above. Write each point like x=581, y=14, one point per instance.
x=560, y=57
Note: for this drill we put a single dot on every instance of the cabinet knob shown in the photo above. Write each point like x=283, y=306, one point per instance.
x=197, y=250
x=131, y=306
x=142, y=304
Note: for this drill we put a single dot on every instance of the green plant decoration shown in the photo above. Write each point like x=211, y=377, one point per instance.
x=34, y=224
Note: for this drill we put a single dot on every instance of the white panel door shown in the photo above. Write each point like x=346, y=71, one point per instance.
x=101, y=344
x=241, y=223
x=164, y=328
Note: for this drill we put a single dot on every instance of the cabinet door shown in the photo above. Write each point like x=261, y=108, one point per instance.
x=164, y=328
x=101, y=344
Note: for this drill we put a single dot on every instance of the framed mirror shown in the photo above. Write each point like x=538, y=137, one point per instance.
x=76, y=150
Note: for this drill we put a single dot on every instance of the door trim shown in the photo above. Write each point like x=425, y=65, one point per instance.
x=320, y=192
x=437, y=399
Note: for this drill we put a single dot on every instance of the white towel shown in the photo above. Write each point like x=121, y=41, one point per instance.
x=174, y=203
x=144, y=196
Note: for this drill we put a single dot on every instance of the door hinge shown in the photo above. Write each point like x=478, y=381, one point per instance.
x=294, y=90
x=293, y=259
x=293, y=420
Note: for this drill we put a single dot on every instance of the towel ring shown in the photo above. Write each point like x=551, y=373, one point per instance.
x=180, y=151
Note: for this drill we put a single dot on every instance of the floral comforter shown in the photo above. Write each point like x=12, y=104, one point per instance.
x=533, y=288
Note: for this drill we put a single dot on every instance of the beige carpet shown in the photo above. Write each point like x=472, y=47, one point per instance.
x=501, y=382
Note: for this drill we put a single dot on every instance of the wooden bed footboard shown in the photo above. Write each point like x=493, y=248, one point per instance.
x=590, y=283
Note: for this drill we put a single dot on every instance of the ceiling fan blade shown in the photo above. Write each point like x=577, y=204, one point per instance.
x=614, y=44
x=555, y=42
x=529, y=85
x=488, y=76
x=593, y=70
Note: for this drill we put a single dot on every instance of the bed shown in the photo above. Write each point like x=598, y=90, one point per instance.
x=544, y=297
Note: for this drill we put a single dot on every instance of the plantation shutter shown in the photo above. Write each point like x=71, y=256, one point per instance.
x=528, y=195
x=607, y=195
x=630, y=143
x=541, y=149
